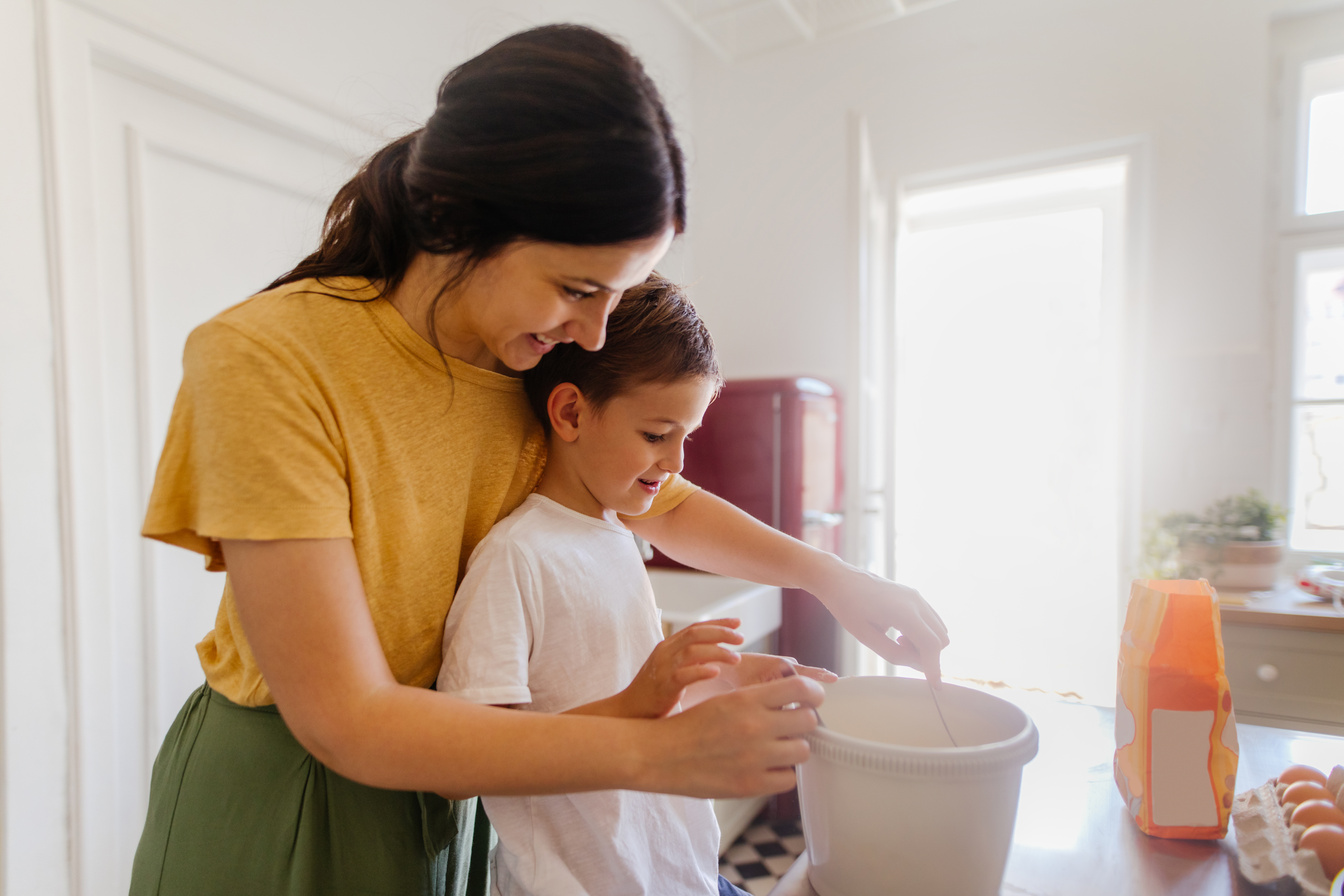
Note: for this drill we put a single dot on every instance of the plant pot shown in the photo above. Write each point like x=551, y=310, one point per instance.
x=1236, y=565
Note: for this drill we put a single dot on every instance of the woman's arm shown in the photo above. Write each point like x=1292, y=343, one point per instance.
x=307, y=621
x=708, y=533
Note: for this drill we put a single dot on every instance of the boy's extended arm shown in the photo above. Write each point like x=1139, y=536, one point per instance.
x=707, y=532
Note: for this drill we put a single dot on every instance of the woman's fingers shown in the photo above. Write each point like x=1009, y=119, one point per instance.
x=746, y=742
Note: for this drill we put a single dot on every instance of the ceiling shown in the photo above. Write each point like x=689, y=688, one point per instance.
x=737, y=29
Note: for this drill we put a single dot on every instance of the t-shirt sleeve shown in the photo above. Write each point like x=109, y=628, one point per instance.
x=673, y=492
x=253, y=450
x=488, y=636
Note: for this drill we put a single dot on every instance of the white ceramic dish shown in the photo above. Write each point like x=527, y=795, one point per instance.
x=889, y=804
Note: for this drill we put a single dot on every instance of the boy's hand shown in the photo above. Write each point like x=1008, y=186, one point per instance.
x=694, y=653
x=757, y=668
x=752, y=669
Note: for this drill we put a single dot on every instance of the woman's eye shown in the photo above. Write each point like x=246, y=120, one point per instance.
x=652, y=437
x=578, y=293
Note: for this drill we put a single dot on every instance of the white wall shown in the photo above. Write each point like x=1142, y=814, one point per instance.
x=33, y=751
x=380, y=64
x=979, y=81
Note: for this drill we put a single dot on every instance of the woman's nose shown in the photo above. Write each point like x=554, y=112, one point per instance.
x=589, y=326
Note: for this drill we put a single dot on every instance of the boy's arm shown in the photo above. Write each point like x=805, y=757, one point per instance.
x=707, y=532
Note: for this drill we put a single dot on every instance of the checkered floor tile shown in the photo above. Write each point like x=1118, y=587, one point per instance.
x=759, y=857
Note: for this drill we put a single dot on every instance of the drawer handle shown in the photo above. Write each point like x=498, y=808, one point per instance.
x=1267, y=672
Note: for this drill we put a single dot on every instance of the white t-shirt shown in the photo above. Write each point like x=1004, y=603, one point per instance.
x=556, y=611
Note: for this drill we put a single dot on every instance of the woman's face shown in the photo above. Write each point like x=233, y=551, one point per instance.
x=516, y=305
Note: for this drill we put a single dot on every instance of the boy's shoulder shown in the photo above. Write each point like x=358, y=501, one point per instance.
x=514, y=534
x=539, y=526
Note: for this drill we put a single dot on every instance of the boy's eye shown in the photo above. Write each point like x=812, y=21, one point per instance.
x=652, y=437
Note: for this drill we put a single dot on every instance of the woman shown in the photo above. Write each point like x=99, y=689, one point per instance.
x=342, y=441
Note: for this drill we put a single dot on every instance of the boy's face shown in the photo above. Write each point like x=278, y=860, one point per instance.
x=623, y=454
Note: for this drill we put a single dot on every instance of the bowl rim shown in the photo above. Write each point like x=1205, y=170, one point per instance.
x=1014, y=751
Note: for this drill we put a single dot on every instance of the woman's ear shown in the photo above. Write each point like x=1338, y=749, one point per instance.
x=565, y=407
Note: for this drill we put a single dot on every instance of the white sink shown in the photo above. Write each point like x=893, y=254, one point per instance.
x=687, y=596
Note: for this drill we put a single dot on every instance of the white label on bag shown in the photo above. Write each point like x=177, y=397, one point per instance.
x=1182, y=793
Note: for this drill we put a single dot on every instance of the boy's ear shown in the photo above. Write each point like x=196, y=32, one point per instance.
x=565, y=407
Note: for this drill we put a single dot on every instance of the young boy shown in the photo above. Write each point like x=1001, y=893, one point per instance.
x=556, y=614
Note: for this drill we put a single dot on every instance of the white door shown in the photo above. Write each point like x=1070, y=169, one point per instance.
x=1009, y=414
x=181, y=189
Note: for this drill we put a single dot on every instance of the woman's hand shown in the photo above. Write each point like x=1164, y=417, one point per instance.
x=742, y=743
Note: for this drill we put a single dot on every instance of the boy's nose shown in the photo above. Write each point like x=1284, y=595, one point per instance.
x=674, y=459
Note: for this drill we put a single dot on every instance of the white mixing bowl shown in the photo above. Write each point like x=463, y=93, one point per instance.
x=890, y=806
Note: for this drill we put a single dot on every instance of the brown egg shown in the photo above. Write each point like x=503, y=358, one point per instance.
x=1317, y=812
x=1294, y=773
x=1301, y=791
x=1327, y=841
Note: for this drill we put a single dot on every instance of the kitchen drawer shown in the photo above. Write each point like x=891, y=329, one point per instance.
x=1285, y=675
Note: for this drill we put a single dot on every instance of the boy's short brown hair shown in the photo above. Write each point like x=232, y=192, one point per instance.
x=653, y=336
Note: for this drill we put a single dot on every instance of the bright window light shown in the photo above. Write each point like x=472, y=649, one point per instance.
x=1318, y=404
x=1323, y=96
x=1007, y=472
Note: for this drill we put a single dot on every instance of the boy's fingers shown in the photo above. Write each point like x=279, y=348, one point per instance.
x=686, y=675
x=783, y=691
x=712, y=631
x=706, y=653
x=816, y=673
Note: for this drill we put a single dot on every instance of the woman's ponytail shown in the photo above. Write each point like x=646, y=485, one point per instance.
x=368, y=229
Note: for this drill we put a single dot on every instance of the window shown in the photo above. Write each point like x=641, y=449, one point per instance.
x=1310, y=237
x=1322, y=120
x=1006, y=484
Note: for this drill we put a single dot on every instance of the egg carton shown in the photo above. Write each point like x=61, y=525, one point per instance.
x=1267, y=844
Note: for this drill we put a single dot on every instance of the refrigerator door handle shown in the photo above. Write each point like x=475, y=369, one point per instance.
x=822, y=518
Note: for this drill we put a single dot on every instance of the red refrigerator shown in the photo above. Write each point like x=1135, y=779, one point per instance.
x=772, y=447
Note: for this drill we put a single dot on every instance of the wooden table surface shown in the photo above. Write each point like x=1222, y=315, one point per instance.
x=1073, y=837
x=1286, y=607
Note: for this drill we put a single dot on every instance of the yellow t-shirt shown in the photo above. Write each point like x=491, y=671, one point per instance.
x=301, y=415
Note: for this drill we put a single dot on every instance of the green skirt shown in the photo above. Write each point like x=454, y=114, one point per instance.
x=237, y=806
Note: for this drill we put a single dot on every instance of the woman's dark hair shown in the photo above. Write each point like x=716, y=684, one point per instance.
x=554, y=134
x=653, y=336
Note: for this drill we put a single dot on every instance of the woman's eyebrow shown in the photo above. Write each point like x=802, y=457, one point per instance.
x=596, y=283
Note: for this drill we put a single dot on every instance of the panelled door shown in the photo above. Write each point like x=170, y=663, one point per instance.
x=180, y=190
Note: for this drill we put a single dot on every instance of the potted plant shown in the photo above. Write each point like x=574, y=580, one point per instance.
x=1235, y=544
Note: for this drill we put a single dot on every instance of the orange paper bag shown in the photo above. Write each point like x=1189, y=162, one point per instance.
x=1175, y=733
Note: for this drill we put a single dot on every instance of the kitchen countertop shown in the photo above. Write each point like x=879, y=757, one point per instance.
x=1282, y=608
x=1073, y=835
